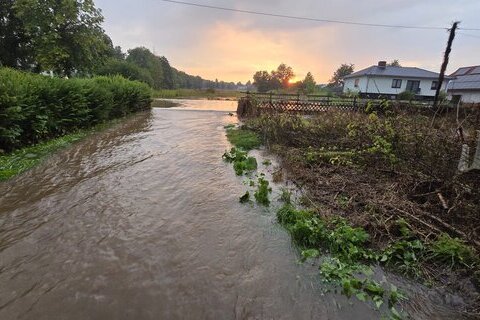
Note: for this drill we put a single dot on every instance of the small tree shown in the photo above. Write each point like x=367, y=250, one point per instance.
x=283, y=75
x=262, y=81
x=342, y=71
x=309, y=83
x=394, y=63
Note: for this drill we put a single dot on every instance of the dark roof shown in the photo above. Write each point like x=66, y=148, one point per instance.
x=388, y=71
x=466, y=70
x=466, y=78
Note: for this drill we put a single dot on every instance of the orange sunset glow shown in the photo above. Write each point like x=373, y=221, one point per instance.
x=233, y=46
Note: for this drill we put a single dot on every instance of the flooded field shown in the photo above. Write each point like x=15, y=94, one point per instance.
x=142, y=221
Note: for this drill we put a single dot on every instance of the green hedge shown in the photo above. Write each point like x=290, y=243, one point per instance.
x=35, y=108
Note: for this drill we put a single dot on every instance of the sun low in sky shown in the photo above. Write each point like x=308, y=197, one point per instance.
x=232, y=46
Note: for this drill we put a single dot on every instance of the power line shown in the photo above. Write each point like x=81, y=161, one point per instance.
x=309, y=19
x=469, y=35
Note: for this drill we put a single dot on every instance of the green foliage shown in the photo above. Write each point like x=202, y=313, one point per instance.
x=243, y=139
x=15, y=46
x=309, y=83
x=348, y=242
x=241, y=162
x=286, y=196
x=246, y=165
x=406, y=95
x=34, y=108
x=382, y=107
x=340, y=73
x=125, y=69
x=405, y=255
x=452, y=251
x=347, y=246
x=267, y=162
x=26, y=158
x=262, y=192
x=158, y=67
x=66, y=36
x=309, y=254
x=274, y=80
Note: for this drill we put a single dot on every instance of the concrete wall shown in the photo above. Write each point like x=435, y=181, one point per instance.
x=383, y=85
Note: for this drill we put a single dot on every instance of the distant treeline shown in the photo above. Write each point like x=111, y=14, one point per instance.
x=35, y=108
x=142, y=65
x=66, y=38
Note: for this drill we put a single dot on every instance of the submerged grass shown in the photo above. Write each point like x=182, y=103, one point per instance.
x=243, y=139
x=21, y=160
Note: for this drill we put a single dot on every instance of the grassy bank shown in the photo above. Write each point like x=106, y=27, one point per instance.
x=212, y=94
x=21, y=160
x=382, y=187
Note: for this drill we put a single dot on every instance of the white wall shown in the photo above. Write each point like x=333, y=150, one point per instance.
x=383, y=85
x=467, y=97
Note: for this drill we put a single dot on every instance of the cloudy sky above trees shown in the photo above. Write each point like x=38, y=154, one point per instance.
x=231, y=46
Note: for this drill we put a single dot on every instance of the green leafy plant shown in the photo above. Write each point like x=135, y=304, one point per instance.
x=262, y=192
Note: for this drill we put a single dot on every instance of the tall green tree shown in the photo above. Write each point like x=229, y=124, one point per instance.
x=15, y=44
x=342, y=71
x=262, y=81
x=309, y=83
x=66, y=35
x=283, y=74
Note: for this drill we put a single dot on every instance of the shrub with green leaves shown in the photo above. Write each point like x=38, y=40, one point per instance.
x=452, y=251
x=35, y=108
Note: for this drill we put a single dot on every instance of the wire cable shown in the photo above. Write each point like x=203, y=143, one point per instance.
x=313, y=19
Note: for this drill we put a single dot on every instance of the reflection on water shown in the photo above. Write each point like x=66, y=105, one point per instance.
x=142, y=221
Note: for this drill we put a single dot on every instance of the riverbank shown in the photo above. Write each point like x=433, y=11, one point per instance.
x=21, y=160
x=393, y=177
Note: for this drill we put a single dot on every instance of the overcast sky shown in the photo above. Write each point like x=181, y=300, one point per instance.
x=231, y=46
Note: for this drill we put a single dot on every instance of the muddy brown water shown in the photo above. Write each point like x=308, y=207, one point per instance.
x=142, y=221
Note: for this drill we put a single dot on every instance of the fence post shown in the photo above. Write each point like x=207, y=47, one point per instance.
x=355, y=102
x=270, y=97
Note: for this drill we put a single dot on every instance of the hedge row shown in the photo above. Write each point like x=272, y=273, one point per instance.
x=34, y=108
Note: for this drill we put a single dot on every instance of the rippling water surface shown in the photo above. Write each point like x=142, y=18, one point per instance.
x=142, y=221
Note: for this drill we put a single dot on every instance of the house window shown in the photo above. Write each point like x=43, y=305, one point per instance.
x=413, y=86
x=356, y=83
x=434, y=85
x=397, y=83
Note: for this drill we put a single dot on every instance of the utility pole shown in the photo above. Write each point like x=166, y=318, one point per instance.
x=445, y=62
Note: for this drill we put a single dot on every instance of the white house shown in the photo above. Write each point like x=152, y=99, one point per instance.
x=466, y=85
x=383, y=80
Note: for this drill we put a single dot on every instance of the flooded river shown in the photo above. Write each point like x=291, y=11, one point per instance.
x=142, y=221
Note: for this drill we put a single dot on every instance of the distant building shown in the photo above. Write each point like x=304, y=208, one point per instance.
x=383, y=80
x=465, y=86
